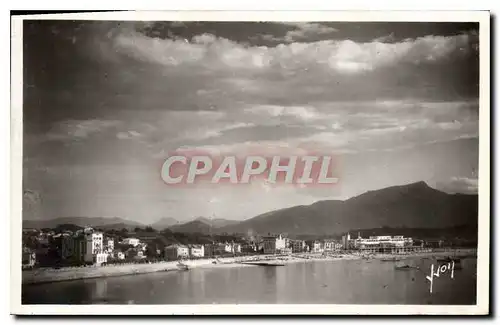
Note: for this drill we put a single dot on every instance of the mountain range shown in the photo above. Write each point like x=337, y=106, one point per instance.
x=413, y=205
x=101, y=222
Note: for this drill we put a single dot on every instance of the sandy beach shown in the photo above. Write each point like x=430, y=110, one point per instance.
x=44, y=275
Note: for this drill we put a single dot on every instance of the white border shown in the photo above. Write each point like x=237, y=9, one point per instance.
x=482, y=306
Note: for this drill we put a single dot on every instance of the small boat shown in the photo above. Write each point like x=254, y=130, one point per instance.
x=182, y=266
x=404, y=267
x=449, y=259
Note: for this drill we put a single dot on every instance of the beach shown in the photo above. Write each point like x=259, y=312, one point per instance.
x=44, y=275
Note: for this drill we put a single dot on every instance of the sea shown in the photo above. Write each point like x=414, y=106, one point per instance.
x=312, y=282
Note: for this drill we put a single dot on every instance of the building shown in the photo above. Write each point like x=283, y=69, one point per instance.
x=298, y=246
x=196, y=250
x=379, y=243
x=131, y=241
x=317, y=247
x=28, y=258
x=215, y=249
x=176, y=251
x=109, y=245
x=274, y=244
x=346, y=241
x=331, y=245
x=94, y=249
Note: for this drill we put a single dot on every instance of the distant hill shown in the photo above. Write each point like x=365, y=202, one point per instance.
x=202, y=225
x=413, y=205
x=217, y=222
x=195, y=226
x=101, y=222
x=164, y=223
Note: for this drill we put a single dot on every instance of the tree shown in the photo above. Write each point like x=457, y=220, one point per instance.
x=150, y=229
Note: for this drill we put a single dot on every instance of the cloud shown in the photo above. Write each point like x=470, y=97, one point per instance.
x=128, y=135
x=79, y=129
x=341, y=56
x=206, y=133
x=465, y=185
x=299, y=112
x=305, y=30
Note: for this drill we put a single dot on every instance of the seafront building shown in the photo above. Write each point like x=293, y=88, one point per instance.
x=274, y=244
x=176, y=251
x=331, y=245
x=196, y=251
x=298, y=246
x=377, y=243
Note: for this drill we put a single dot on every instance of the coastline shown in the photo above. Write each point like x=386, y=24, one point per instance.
x=47, y=275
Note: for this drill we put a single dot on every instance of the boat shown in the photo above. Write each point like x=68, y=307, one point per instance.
x=182, y=266
x=404, y=267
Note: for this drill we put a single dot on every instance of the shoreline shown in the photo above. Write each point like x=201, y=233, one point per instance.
x=48, y=275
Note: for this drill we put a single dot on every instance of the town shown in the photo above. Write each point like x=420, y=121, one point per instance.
x=88, y=246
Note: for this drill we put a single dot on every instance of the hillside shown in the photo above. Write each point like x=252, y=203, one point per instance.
x=413, y=206
x=217, y=222
x=164, y=223
x=195, y=226
x=114, y=222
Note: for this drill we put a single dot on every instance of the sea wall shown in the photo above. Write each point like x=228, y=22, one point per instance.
x=76, y=273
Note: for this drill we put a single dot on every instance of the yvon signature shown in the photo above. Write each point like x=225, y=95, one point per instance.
x=440, y=270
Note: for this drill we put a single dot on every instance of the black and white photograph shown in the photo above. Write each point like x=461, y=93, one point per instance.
x=270, y=160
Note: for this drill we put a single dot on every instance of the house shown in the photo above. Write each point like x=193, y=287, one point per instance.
x=196, y=250
x=248, y=248
x=131, y=241
x=274, y=244
x=317, y=247
x=93, y=247
x=236, y=248
x=298, y=246
x=109, y=245
x=28, y=257
x=120, y=255
x=331, y=245
x=215, y=249
x=176, y=251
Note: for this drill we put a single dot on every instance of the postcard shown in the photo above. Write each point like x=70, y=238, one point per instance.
x=239, y=162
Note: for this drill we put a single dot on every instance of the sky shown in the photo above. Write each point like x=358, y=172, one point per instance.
x=105, y=102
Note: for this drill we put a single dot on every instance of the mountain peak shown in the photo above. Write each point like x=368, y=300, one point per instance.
x=421, y=184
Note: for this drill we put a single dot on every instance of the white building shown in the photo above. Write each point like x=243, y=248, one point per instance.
x=236, y=248
x=131, y=241
x=93, y=247
x=331, y=245
x=317, y=247
x=196, y=250
x=374, y=242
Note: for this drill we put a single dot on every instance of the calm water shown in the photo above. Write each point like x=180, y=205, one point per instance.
x=329, y=282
